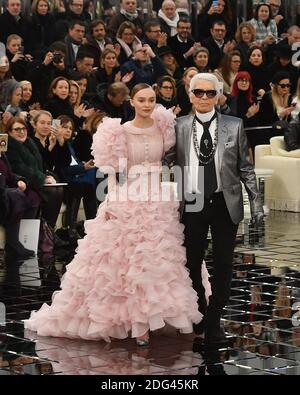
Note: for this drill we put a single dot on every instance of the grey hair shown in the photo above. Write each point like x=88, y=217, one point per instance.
x=205, y=77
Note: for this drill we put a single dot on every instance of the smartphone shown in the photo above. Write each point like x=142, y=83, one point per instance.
x=221, y=87
x=21, y=50
x=56, y=123
x=215, y=3
x=3, y=142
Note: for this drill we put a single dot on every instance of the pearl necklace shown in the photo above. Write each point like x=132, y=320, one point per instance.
x=204, y=159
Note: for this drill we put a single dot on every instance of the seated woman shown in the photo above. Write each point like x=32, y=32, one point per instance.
x=127, y=39
x=183, y=91
x=245, y=37
x=166, y=93
x=26, y=103
x=228, y=70
x=169, y=61
x=259, y=73
x=5, y=72
x=81, y=179
x=276, y=104
x=17, y=202
x=10, y=98
x=201, y=59
x=26, y=160
x=109, y=67
x=264, y=25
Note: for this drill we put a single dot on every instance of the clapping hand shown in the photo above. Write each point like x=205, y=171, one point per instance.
x=127, y=77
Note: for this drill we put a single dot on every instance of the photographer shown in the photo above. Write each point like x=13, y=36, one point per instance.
x=15, y=54
x=43, y=73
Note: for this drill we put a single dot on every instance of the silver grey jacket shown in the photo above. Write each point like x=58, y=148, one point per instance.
x=235, y=166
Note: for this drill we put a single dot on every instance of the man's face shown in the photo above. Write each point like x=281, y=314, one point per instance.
x=129, y=5
x=294, y=38
x=141, y=54
x=14, y=7
x=203, y=104
x=77, y=7
x=275, y=5
x=99, y=32
x=77, y=33
x=85, y=65
x=218, y=32
x=184, y=30
x=154, y=33
x=169, y=9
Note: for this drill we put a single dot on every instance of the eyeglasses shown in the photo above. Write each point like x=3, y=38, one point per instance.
x=244, y=80
x=284, y=85
x=199, y=93
x=167, y=87
x=19, y=130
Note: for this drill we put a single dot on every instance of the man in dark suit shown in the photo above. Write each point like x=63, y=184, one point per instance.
x=182, y=44
x=11, y=21
x=97, y=41
x=212, y=153
x=217, y=44
x=73, y=41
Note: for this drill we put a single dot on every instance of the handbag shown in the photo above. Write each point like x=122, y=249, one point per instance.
x=89, y=176
x=46, y=239
x=292, y=136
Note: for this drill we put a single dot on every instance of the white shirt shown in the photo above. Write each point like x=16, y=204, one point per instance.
x=192, y=174
x=75, y=49
x=101, y=44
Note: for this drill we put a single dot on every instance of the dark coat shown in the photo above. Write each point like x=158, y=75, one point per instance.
x=82, y=145
x=178, y=48
x=64, y=20
x=9, y=25
x=118, y=19
x=215, y=52
x=26, y=161
x=40, y=34
x=94, y=49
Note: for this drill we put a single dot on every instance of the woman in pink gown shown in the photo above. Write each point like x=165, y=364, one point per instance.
x=128, y=276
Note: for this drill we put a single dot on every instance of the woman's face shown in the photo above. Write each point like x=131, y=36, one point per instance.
x=283, y=87
x=144, y=102
x=43, y=125
x=188, y=77
x=16, y=97
x=82, y=85
x=168, y=59
x=127, y=36
x=263, y=13
x=61, y=90
x=235, y=63
x=246, y=35
x=27, y=92
x=256, y=58
x=67, y=130
x=243, y=84
x=110, y=60
x=221, y=6
x=42, y=7
x=18, y=132
x=4, y=64
x=201, y=60
x=166, y=90
x=73, y=94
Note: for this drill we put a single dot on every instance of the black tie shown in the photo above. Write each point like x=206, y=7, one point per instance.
x=206, y=147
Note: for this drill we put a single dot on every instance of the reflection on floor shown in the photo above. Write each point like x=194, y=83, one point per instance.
x=261, y=319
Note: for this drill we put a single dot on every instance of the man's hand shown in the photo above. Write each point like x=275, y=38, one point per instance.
x=21, y=185
x=278, y=18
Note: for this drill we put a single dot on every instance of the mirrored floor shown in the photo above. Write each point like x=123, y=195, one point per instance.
x=261, y=320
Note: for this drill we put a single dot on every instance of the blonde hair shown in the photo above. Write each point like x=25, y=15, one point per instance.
x=74, y=83
x=276, y=99
x=39, y=114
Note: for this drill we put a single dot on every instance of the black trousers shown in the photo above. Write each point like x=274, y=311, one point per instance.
x=215, y=216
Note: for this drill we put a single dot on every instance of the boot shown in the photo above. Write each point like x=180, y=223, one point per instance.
x=214, y=333
x=13, y=244
x=90, y=207
x=71, y=219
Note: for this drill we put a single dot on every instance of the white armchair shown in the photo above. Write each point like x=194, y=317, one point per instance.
x=282, y=190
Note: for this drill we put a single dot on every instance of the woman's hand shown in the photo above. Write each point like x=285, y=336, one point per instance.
x=254, y=109
x=52, y=141
x=176, y=109
x=89, y=165
x=222, y=100
x=58, y=134
x=118, y=77
x=127, y=77
x=261, y=92
x=286, y=112
x=79, y=110
x=18, y=56
x=6, y=117
x=22, y=186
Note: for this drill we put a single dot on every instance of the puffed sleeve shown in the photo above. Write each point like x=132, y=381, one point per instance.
x=165, y=121
x=109, y=146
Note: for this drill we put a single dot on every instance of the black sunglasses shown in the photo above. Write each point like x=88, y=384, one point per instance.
x=210, y=94
x=284, y=85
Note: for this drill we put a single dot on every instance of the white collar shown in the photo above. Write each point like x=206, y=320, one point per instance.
x=180, y=40
x=206, y=116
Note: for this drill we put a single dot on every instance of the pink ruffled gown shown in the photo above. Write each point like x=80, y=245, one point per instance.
x=128, y=275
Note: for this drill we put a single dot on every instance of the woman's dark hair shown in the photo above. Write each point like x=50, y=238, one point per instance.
x=252, y=49
x=65, y=119
x=163, y=79
x=12, y=121
x=270, y=12
x=139, y=87
x=225, y=66
x=227, y=14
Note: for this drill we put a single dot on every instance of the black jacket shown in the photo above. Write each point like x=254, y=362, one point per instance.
x=40, y=34
x=9, y=25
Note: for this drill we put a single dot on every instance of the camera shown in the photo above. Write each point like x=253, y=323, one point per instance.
x=57, y=57
x=257, y=99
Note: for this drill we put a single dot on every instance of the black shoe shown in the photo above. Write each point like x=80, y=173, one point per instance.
x=58, y=242
x=19, y=254
x=215, y=336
